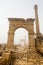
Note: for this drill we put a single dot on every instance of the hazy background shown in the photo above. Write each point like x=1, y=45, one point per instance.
x=18, y=9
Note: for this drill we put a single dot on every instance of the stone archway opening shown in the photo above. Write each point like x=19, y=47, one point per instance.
x=15, y=23
x=21, y=37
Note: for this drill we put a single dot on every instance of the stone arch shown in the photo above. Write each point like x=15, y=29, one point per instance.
x=15, y=23
x=21, y=36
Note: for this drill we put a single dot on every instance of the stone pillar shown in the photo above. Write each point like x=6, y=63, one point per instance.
x=31, y=32
x=10, y=42
x=37, y=21
x=31, y=40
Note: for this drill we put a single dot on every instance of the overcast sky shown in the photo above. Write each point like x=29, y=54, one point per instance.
x=18, y=9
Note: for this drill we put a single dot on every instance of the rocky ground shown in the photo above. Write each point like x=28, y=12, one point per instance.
x=21, y=56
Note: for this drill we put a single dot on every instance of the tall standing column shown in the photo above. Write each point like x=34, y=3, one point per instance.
x=37, y=21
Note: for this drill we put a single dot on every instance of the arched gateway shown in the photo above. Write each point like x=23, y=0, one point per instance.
x=15, y=23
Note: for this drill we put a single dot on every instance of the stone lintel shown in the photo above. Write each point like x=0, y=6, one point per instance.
x=16, y=19
x=20, y=19
x=30, y=19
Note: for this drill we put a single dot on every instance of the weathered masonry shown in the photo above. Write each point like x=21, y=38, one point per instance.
x=15, y=23
x=33, y=54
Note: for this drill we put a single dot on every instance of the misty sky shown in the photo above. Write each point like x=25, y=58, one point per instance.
x=21, y=36
x=18, y=9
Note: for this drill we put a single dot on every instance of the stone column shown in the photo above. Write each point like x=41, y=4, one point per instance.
x=37, y=21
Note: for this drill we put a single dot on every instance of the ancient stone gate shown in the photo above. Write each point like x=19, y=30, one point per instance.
x=15, y=23
x=34, y=55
